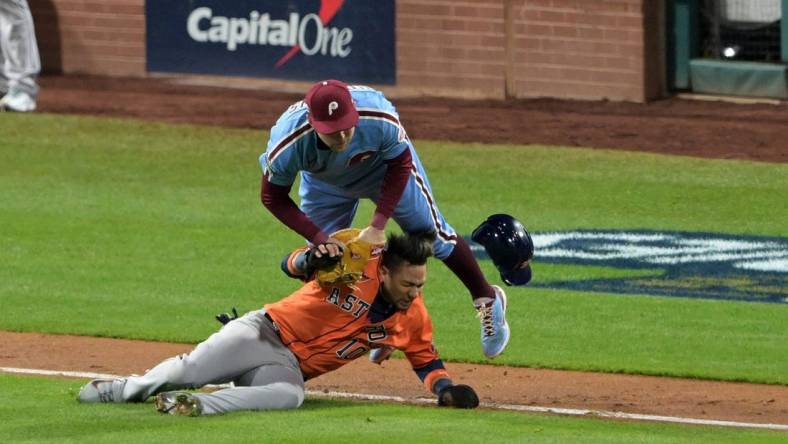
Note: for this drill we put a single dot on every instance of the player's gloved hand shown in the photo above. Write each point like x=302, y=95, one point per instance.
x=224, y=318
x=461, y=396
x=322, y=257
x=353, y=258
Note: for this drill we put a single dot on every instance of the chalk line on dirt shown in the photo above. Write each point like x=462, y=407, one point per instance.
x=426, y=401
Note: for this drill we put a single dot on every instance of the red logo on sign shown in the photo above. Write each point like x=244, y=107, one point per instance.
x=328, y=9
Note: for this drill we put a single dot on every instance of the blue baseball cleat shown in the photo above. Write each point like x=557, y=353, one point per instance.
x=495, y=329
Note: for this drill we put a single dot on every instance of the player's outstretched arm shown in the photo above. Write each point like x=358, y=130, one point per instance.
x=428, y=366
x=437, y=380
x=460, y=396
x=398, y=171
x=276, y=198
x=304, y=262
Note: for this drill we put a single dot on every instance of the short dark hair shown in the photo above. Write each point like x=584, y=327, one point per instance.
x=414, y=248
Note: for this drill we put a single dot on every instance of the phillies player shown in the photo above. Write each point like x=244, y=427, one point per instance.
x=269, y=353
x=347, y=143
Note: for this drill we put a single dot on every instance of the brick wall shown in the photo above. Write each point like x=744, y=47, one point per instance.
x=443, y=45
x=580, y=49
x=586, y=49
x=104, y=37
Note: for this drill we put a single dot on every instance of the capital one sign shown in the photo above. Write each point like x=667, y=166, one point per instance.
x=352, y=40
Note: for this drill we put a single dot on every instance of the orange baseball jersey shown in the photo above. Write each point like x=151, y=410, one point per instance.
x=328, y=327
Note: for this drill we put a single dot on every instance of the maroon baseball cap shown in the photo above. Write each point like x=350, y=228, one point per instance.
x=331, y=108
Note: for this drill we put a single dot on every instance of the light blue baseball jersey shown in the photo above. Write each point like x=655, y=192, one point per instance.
x=293, y=146
x=333, y=182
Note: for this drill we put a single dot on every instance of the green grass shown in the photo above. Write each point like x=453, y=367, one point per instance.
x=563, y=272
x=45, y=410
x=129, y=229
x=553, y=188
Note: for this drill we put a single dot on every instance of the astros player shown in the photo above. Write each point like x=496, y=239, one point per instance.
x=19, y=59
x=269, y=353
x=347, y=143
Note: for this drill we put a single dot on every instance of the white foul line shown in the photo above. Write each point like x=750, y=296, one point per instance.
x=495, y=406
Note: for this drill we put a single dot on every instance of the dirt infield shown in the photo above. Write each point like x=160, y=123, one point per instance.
x=757, y=132
x=686, y=398
x=686, y=127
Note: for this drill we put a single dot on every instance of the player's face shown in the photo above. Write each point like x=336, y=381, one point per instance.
x=339, y=140
x=403, y=284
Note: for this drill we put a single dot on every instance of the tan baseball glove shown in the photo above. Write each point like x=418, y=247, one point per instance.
x=355, y=255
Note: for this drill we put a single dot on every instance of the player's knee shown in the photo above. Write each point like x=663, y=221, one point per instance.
x=186, y=373
x=296, y=396
x=283, y=396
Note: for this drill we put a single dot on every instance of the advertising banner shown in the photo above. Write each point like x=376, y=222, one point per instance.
x=350, y=40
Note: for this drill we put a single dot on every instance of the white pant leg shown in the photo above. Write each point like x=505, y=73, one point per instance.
x=268, y=387
x=21, y=62
x=241, y=346
x=3, y=77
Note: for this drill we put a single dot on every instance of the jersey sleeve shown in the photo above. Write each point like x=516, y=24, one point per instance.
x=276, y=198
x=395, y=141
x=420, y=351
x=281, y=160
x=279, y=168
x=294, y=264
x=393, y=138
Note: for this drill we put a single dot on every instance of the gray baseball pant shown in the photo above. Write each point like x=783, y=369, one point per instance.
x=19, y=59
x=246, y=351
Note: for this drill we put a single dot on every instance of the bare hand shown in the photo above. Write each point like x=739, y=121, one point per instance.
x=373, y=236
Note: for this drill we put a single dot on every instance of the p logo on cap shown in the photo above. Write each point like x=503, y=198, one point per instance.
x=331, y=107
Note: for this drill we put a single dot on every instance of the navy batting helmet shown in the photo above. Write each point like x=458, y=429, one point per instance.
x=509, y=245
